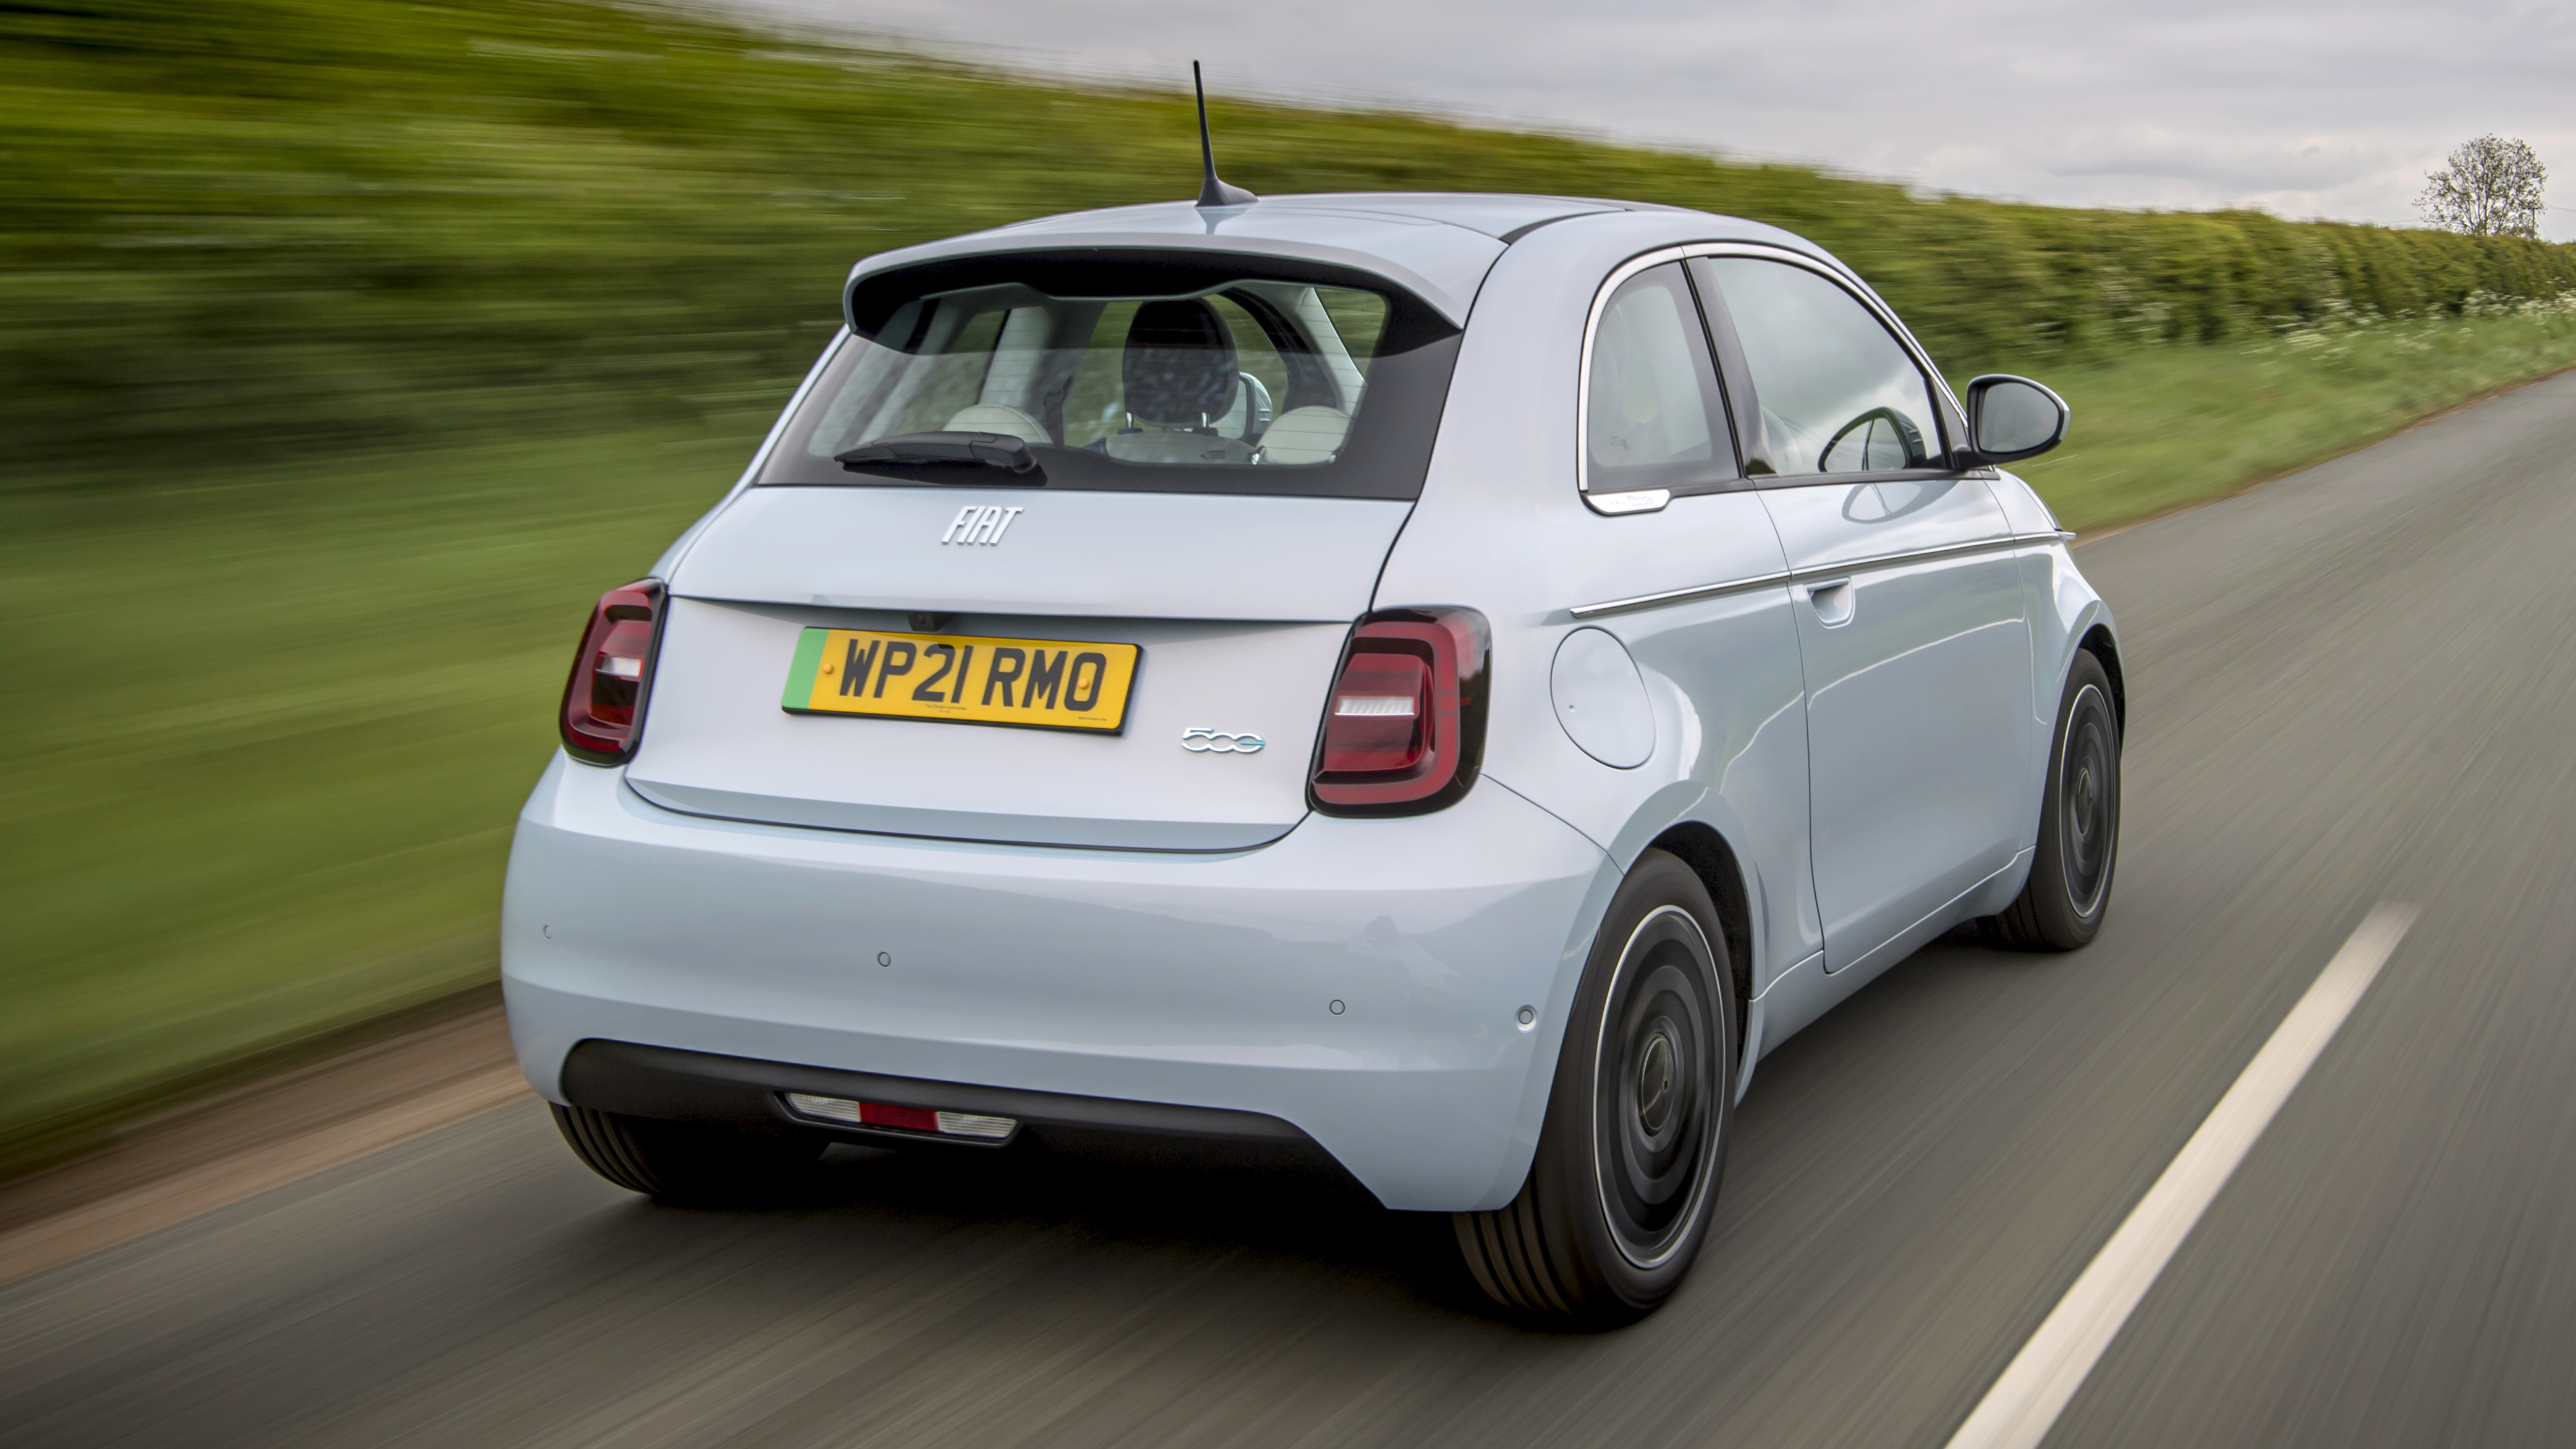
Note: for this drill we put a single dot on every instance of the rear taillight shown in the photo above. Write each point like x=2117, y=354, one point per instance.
x=1404, y=729
x=604, y=698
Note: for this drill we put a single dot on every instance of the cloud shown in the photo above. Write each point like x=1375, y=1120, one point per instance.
x=2306, y=109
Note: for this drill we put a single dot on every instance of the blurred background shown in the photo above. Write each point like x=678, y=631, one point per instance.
x=349, y=348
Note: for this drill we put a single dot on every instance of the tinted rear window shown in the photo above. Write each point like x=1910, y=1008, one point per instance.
x=1133, y=372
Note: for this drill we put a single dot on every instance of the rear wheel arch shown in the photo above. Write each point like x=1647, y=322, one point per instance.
x=1705, y=851
x=1620, y=1190
x=2097, y=641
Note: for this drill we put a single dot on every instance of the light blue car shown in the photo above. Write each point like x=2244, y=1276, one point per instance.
x=1438, y=684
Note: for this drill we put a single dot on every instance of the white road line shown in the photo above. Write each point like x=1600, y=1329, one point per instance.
x=2018, y=1411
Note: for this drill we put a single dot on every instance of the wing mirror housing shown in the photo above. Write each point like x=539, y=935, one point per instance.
x=2011, y=418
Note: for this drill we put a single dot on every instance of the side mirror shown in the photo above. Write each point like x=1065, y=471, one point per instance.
x=2011, y=418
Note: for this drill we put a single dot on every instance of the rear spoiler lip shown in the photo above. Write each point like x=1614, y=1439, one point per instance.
x=1109, y=245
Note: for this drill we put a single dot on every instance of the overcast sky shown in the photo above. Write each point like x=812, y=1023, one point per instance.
x=2300, y=108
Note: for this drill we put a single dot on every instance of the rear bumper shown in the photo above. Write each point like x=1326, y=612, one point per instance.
x=1171, y=981
x=756, y=1096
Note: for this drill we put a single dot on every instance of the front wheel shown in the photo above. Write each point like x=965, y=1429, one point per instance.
x=2062, y=905
x=1621, y=1190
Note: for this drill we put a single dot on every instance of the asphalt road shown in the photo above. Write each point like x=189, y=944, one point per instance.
x=2352, y=686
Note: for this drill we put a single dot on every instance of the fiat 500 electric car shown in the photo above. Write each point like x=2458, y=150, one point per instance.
x=1441, y=682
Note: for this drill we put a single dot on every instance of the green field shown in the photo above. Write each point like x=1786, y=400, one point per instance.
x=352, y=348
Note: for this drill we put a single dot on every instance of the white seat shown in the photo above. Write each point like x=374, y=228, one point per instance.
x=1305, y=435
x=1178, y=447
x=998, y=418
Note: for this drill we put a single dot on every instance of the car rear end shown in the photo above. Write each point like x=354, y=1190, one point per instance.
x=1024, y=750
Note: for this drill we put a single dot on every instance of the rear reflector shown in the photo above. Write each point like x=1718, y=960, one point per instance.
x=1405, y=731
x=903, y=1119
x=604, y=700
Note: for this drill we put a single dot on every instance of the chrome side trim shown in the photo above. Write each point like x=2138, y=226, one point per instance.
x=1677, y=596
x=1914, y=555
x=1817, y=571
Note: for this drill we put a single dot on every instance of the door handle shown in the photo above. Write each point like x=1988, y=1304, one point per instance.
x=1834, y=601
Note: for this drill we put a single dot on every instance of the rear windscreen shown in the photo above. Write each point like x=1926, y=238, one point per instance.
x=1182, y=372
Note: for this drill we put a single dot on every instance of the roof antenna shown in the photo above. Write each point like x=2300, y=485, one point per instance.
x=1213, y=192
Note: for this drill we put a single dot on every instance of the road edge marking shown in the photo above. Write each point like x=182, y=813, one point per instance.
x=2021, y=1407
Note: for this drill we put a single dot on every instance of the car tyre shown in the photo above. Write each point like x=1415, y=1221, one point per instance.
x=2062, y=905
x=690, y=1165
x=1625, y=1178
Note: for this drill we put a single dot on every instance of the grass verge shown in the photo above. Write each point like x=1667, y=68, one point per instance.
x=269, y=729
x=2164, y=427
x=271, y=725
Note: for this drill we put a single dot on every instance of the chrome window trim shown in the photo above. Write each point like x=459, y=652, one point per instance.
x=1860, y=292
x=1647, y=501
x=1838, y=567
x=1859, y=475
x=1642, y=501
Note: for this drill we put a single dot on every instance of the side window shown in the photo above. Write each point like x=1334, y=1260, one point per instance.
x=1652, y=418
x=1839, y=393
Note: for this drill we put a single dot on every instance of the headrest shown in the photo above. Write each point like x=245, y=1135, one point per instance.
x=997, y=418
x=1306, y=435
x=1180, y=368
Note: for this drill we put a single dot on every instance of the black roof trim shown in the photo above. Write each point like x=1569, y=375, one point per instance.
x=1516, y=233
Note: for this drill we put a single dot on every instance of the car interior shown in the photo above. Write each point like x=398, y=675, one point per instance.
x=1250, y=373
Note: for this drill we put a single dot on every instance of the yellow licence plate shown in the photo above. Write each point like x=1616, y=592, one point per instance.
x=1055, y=684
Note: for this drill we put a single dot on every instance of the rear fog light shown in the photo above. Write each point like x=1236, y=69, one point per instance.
x=903, y=1119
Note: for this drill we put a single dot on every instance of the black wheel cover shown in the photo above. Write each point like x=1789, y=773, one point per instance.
x=2088, y=800
x=1656, y=1094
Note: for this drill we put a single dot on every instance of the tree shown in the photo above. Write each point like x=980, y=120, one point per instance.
x=2491, y=186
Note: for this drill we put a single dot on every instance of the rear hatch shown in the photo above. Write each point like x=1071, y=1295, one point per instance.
x=1132, y=499
x=1237, y=605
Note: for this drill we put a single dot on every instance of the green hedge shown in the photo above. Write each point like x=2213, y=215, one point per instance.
x=287, y=224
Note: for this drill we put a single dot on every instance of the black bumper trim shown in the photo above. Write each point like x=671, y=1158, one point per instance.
x=672, y=1085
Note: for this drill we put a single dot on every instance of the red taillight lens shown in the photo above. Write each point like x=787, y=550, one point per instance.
x=1404, y=730
x=604, y=698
